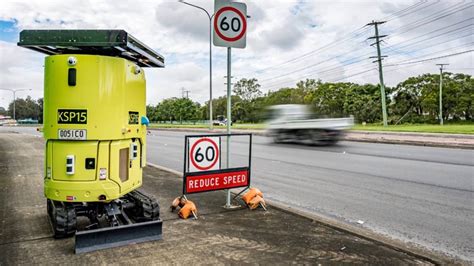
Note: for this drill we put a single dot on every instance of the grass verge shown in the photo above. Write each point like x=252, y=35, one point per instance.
x=234, y=126
x=421, y=128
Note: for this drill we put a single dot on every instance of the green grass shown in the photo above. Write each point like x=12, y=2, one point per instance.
x=178, y=126
x=234, y=126
x=421, y=128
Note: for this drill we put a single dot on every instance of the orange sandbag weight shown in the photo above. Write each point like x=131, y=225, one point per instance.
x=251, y=194
x=188, y=209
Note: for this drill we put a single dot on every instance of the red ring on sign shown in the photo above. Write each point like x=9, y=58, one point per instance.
x=192, y=152
x=244, y=24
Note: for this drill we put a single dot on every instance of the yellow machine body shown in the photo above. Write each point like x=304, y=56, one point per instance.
x=96, y=143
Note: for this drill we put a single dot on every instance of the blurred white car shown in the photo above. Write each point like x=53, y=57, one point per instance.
x=296, y=122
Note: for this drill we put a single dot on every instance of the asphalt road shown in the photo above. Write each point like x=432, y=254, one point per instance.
x=423, y=195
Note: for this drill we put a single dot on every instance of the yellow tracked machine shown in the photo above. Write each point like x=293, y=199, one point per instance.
x=95, y=130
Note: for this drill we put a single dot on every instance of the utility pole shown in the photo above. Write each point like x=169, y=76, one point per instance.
x=441, y=92
x=184, y=93
x=380, y=57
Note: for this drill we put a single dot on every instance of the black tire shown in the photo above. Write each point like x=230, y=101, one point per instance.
x=64, y=220
x=278, y=137
x=316, y=139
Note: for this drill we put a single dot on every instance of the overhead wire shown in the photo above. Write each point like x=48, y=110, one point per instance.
x=397, y=13
x=414, y=10
x=429, y=59
x=363, y=57
x=338, y=41
x=413, y=25
x=330, y=70
x=322, y=48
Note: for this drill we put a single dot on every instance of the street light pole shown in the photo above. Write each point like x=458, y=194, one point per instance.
x=210, y=58
x=14, y=99
x=441, y=92
x=14, y=104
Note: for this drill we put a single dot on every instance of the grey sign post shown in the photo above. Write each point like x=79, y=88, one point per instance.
x=230, y=29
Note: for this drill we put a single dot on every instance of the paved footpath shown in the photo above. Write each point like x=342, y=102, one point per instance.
x=217, y=237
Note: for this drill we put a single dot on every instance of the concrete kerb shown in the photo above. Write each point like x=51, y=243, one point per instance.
x=415, y=134
x=412, y=249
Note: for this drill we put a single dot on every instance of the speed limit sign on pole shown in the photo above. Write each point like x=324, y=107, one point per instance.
x=204, y=154
x=230, y=24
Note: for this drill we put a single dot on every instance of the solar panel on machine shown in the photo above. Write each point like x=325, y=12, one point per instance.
x=98, y=42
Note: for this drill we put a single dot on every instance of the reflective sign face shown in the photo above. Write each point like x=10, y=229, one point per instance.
x=230, y=24
x=216, y=181
x=204, y=154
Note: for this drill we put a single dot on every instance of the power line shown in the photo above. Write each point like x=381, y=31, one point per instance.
x=469, y=34
x=412, y=25
x=436, y=30
x=408, y=43
x=339, y=41
x=415, y=10
x=307, y=67
x=431, y=37
x=362, y=66
x=429, y=59
x=405, y=65
x=435, y=15
x=353, y=75
x=337, y=66
x=398, y=13
x=329, y=45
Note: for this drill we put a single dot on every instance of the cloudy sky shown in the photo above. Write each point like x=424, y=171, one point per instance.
x=286, y=41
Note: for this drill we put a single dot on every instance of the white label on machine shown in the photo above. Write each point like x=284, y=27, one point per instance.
x=75, y=134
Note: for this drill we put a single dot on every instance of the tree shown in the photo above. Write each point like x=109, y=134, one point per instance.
x=219, y=106
x=40, y=106
x=363, y=102
x=176, y=109
x=417, y=98
x=245, y=109
x=25, y=108
x=151, y=113
x=247, y=89
x=286, y=96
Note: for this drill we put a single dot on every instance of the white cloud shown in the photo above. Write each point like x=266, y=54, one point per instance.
x=278, y=31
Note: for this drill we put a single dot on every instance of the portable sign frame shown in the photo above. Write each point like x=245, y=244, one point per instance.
x=219, y=179
x=230, y=24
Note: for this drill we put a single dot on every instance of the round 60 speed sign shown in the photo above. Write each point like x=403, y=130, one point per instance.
x=204, y=154
x=230, y=24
